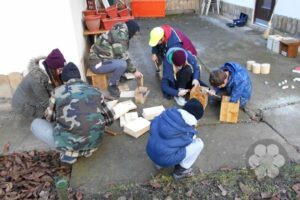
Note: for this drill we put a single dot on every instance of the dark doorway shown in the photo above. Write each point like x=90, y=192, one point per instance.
x=263, y=11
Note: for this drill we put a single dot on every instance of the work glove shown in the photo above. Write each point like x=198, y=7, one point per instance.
x=195, y=82
x=182, y=92
x=211, y=92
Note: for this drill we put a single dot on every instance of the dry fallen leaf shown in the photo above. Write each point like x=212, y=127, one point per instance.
x=224, y=192
x=189, y=193
x=296, y=188
x=155, y=184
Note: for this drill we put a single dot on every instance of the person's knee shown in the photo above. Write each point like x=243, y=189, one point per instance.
x=200, y=144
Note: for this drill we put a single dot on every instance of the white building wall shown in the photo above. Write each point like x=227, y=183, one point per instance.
x=34, y=27
x=288, y=8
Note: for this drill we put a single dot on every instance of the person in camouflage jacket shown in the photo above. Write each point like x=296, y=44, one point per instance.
x=79, y=114
x=109, y=54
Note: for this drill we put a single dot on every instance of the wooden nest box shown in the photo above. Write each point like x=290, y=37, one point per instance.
x=229, y=111
x=200, y=93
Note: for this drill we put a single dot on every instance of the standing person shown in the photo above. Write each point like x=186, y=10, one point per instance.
x=172, y=140
x=180, y=73
x=110, y=54
x=80, y=117
x=31, y=97
x=165, y=37
x=235, y=80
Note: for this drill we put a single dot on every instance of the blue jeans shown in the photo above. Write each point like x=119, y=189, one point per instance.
x=115, y=66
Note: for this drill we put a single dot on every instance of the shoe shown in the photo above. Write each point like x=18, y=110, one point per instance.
x=67, y=159
x=180, y=101
x=123, y=79
x=114, y=90
x=180, y=172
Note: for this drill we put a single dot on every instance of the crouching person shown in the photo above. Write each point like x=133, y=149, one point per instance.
x=232, y=79
x=172, y=141
x=78, y=114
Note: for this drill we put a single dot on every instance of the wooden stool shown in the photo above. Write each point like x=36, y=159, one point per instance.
x=289, y=47
x=98, y=80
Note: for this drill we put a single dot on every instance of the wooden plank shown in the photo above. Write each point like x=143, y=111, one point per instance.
x=98, y=32
x=123, y=107
x=128, y=117
x=127, y=94
x=141, y=94
x=152, y=112
x=111, y=104
x=200, y=93
x=229, y=111
x=137, y=127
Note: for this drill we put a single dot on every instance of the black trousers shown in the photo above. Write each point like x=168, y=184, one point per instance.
x=185, y=78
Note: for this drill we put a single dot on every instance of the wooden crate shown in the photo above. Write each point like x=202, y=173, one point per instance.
x=98, y=80
x=200, y=94
x=229, y=111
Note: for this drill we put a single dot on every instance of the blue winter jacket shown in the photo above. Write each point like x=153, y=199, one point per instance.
x=239, y=85
x=169, y=135
x=168, y=86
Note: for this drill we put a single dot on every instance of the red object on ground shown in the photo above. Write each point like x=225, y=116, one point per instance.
x=92, y=22
x=112, y=11
x=108, y=23
x=124, y=12
x=148, y=8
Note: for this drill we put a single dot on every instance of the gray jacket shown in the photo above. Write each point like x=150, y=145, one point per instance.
x=31, y=98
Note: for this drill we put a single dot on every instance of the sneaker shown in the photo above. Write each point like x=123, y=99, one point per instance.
x=123, y=79
x=180, y=172
x=67, y=159
x=180, y=101
x=114, y=90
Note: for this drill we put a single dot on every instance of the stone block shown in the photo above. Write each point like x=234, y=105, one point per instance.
x=5, y=88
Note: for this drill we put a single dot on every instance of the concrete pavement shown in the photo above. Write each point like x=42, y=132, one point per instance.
x=123, y=159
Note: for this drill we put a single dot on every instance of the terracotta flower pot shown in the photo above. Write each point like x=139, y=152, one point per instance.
x=112, y=11
x=89, y=12
x=92, y=22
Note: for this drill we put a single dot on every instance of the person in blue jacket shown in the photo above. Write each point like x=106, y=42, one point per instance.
x=235, y=80
x=172, y=140
x=180, y=73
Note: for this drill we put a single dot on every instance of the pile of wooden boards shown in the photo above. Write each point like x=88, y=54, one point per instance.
x=130, y=121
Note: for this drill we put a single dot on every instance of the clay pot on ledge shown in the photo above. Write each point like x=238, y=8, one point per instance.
x=92, y=22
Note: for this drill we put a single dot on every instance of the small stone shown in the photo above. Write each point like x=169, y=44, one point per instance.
x=266, y=82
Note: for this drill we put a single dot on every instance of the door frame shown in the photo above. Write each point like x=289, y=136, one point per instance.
x=254, y=11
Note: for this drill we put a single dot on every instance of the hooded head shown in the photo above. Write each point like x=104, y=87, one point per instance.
x=194, y=107
x=179, y=58
x=133, y=27
x=156, y=35
x=55, y=59
x=70, y=71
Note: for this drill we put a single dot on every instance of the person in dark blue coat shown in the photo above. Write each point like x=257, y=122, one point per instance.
x=180, y=73
x=172, y=140
x=235, y=80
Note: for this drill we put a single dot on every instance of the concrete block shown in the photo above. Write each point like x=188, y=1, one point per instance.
x=152, y=112
x=15, y=79
x=5, y=88
x=229, y=111
x=123, y=107
x=137, y=127
x=128, y=117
